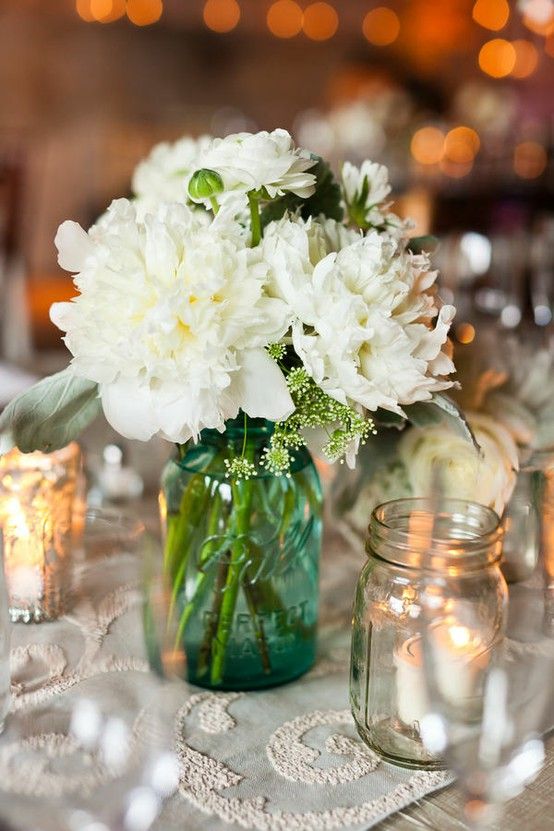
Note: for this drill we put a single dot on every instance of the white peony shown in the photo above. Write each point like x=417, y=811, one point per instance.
x=366, y=325
x=461, y=471
x=163, y=175
x=252, y=161
x=327, y=236
x=171, y=321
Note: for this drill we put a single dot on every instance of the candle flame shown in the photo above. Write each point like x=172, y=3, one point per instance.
x=14, y=516
x=460, y=636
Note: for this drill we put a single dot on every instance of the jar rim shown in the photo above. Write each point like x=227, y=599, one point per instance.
x=237, y=427
x=428, y=533
x=37, y=460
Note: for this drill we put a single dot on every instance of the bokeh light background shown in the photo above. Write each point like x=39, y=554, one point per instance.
x=456, y=97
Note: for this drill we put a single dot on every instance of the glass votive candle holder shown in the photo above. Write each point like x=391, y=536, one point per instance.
x=38, y=492
x=521, y=523
x=4, y=644
x=458, y=544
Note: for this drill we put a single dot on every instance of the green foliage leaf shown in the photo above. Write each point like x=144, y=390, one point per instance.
x=440, y=409
x=50, y=414
x=384, y=418
x=326, y=200
x=427, y=244
x=327, y=197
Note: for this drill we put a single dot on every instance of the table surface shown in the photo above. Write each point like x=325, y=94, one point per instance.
x=203, y=810
x=533, y=810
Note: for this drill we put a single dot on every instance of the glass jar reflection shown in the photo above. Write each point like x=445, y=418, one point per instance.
x=521, y=521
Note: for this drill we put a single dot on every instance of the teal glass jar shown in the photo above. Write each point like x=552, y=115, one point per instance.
x=241, y=560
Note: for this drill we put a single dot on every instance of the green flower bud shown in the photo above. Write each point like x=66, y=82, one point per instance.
x=205, y=184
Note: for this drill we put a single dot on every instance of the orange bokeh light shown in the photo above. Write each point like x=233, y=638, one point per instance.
x=284, y=19
x=527, y=58
x=549, y=46
x=321, y=21
x=529, y=159
x=82, y=7
x=427, y=145
x=381, y=26
x=491, y=14
x=100, y=11
x=497, y=58
x=455, y=170
x=221, y=15
x=465, y=333
x=106, y=11
x=144, y=12
x=461, y=145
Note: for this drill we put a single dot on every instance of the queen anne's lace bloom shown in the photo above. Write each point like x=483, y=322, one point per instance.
x=255, y=161
x=366, y=324
x=171, y=321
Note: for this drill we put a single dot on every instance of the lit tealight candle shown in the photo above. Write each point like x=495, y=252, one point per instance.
x=411, y=692
x=459, y=655
x=37, y=497
x=24, y=555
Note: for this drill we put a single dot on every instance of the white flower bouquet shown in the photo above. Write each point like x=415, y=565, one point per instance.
x=243, y=282
x=241, y=278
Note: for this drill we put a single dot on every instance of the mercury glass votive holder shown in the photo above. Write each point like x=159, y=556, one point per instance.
x=457, y=545
x=38, y=495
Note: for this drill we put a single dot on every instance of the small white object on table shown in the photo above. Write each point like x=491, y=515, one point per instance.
x=460, y=655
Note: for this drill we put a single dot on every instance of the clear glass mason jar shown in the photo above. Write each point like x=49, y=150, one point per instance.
x=39, y=497
x=387, y=683
x=241, y=561
x=5, y=637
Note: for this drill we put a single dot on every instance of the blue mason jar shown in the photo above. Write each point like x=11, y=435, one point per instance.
x=241, y=559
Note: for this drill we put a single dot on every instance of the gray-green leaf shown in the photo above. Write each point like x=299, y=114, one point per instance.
x=440, y=409
x=50, y=414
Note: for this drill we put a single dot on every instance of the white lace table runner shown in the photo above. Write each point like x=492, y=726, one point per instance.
x=288, y=758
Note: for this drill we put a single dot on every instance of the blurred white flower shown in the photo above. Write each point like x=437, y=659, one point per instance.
x=514, y=383
x=252, y=161
x=171, y=321
x=163, y=175
x=487, y=477
x=368, y=183
x=363, y=318
x=364, y=189
x=530, y=386
x=514, y=416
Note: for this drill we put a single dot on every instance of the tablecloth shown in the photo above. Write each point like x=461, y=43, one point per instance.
x=283, y=758
x=286, y=758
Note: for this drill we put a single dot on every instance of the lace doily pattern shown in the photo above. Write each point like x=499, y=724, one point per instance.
x=294, y=760
x=206, y=782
